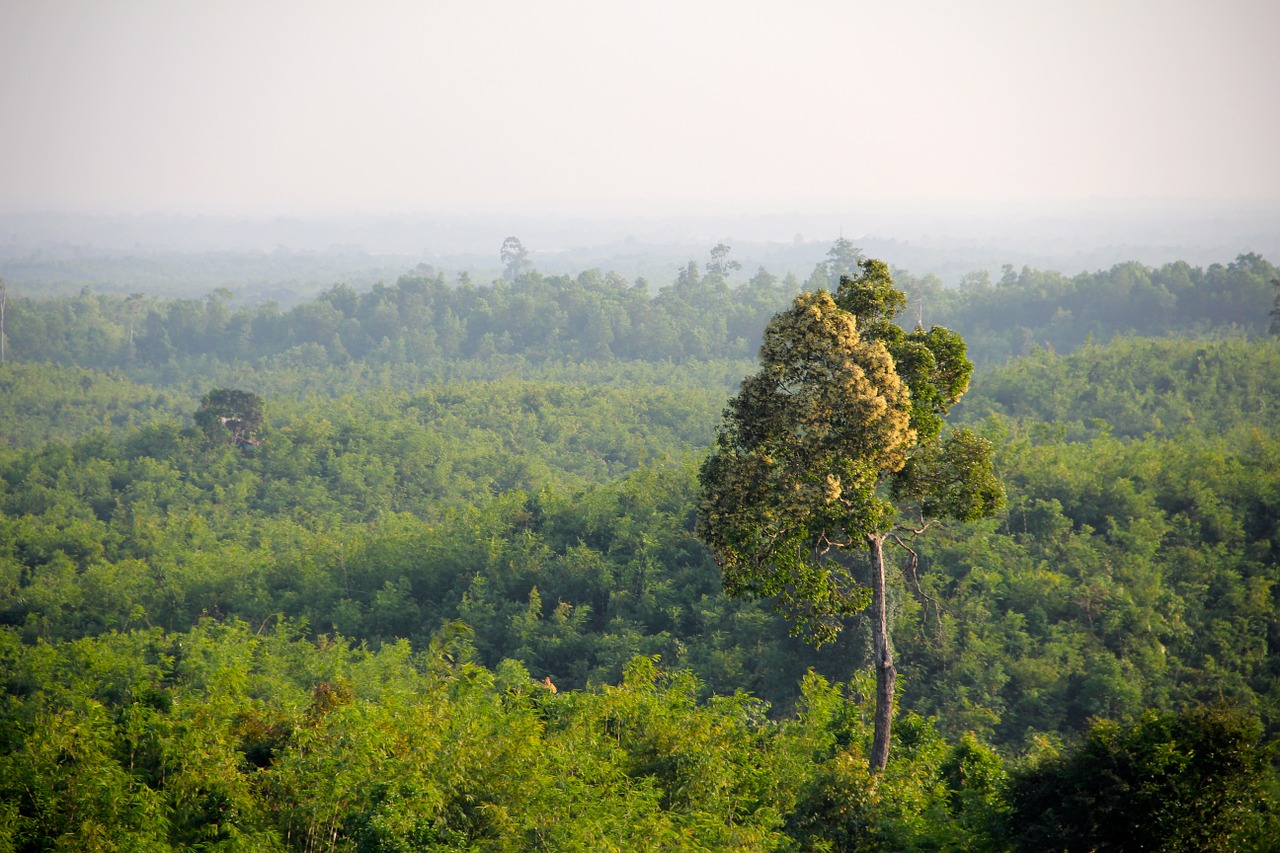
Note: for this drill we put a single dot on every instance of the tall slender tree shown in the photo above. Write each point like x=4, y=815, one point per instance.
x=836, y=447
x=1274, y=328
x=720, y=264
x=135, y=303
x=515, y=259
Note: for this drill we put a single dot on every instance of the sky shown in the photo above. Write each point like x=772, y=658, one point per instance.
x=656, y=107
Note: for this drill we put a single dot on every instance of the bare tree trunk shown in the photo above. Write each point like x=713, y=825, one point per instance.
x=886, y=675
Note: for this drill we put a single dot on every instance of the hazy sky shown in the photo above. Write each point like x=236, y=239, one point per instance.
x=640, y=107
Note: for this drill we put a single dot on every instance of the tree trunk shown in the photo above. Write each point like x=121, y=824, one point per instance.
x=886, y=675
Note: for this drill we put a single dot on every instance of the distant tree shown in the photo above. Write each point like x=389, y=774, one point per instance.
x=720, y=264
x=843, y=419
x=515, y=259
x=341, y=296
x=230, y=416
x=689, y=277
x=4, y=298
x=843, y=259
x=135, y=303
x=978, y=281
x=842, y=262
x=1274, y=328
x=764, y=280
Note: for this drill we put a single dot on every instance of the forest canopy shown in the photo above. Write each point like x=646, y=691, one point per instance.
x=301, y=580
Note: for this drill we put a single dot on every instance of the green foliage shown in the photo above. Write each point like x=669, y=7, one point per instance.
x=1274, y=327
x=229, y=738
x=1169, y=782
x=477, y=496
x=1032, y=308
x=951, y=479
x=801, y=462
x=798, y=460
x=933, y=796
x=41, y=403
x=598, y=316
x=234, y=414
x=235, y=738
x=1132, y=387
x=418, y=321
x=1124, y=573
x=844, y=401
x=1089, y=596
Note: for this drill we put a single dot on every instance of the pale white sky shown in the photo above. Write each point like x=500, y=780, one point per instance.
x=223, y=106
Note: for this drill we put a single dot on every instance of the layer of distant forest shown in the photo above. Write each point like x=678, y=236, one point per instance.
x=598, y=316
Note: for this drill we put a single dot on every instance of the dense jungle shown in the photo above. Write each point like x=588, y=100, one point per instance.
x=414, y=567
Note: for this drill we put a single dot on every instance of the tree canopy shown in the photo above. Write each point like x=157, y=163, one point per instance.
x=341, y=640
x=817, y=443
x=230, y=414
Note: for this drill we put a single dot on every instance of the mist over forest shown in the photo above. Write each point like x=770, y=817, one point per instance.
x=287, y=258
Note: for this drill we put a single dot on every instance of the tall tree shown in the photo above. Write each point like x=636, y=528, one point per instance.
x=833, y=448
x=843, y=259
x=135, y=303
x=720, y=264
x=1274, y=328
x=515, y=259
x=842, y=262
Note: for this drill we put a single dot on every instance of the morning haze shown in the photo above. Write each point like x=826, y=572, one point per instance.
x=884, y=111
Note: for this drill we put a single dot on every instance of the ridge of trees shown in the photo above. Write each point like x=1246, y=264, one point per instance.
x=598, y=316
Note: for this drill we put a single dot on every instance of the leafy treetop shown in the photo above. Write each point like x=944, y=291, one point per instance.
x=232, y=415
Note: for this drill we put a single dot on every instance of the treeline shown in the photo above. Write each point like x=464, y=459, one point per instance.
x=1029, y=308
x=601, y=317
x=595, y=316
